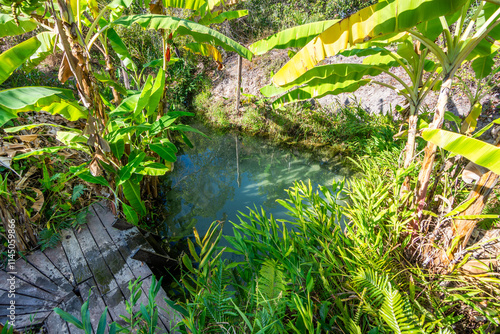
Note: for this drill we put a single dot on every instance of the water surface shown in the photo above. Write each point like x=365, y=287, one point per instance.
x=227, y=173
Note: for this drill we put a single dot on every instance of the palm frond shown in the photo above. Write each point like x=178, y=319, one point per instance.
x=397, y=313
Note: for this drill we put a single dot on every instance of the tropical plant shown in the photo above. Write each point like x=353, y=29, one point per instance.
x=305, y=275
x=126, y=136
x=468, y=32
x=143, y=321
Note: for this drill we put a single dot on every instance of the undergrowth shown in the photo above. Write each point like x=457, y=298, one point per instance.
x=349, y=130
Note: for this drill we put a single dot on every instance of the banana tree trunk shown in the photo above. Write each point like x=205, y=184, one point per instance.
x=412, y=133
x=459, y=233
x=430, y=149
x=486, y=255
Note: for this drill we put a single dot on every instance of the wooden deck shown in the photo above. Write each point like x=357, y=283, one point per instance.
x=98, y=257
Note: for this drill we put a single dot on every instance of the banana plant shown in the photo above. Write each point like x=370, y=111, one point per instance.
x=483, y=154
x=471, y=38
x=422, y=73
x=127, y=138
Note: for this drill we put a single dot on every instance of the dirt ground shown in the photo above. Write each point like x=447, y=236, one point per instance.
x=373, y=98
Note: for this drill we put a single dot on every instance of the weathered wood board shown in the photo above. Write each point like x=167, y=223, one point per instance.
x=95, y=258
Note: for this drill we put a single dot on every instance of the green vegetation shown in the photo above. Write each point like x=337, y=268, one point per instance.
x=406, y=247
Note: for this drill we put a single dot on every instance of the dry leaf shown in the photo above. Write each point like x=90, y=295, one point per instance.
x=10, y=149
x=67, y=155
x=94, y=167
x=5, y=161
x=27, y=138
x=104, y=144
x=31, y=171
x=37, y=206
x=64, y=71
x=155, y=7
x=35, y=217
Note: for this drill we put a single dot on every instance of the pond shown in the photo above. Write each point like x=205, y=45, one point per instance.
x=227, y=173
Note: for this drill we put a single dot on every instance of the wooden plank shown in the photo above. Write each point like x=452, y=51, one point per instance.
x=26, y=320
x=81, y=272
x=126, y=241
x=115, y=301
x=58, y=258
x=28, y=273
x=153, y=239
x=96, y=303
x=24, y=310
x=161, y=265
x=24, y=300
x=121, y=224
x=43, y=264
x=73, y=306
x=56, y=325
x=100, y=271
x=26, y=288
x=112, y=256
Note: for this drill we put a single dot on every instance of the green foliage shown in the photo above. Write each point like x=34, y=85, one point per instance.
x=348, y=243
x=266, y=17
x=140, y=318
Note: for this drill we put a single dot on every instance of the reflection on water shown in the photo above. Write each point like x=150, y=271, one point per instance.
x=225, y=174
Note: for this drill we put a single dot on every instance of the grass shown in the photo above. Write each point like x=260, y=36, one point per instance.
x=348, y=129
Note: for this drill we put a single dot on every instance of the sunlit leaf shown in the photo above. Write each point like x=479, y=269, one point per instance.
x=477, y=151
x=198, y=32
x=14, y=57
x=370, y=22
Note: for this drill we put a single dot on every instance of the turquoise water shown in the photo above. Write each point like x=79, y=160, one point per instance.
x=227, y=173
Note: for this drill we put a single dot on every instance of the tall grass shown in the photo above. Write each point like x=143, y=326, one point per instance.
x=339, y=264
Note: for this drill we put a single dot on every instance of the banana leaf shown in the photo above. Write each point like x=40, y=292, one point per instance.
x=185, y=4
x=8, y=26
x=14, y=57
x=53, y=100
x=206, y=50
x=378, y=20
x=295, y=37
x=132, y=192
x=198, y=32
x=318, y=88
x=47, y=40
x=483, y=66
x=326, y=74
x=488, y=45
x=477, y=151
x=121, y=49
x=156, y=92
x=231, y=15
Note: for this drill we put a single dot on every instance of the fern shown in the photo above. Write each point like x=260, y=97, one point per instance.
x=373, y=284
x=49, y=238
x=77, y=192
x=397, y=313
x=393, y=307
x=218, y=302
x=272, y=282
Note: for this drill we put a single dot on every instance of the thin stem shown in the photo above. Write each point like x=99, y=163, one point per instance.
x=436, y=50
x=400, y=62
x=407, y=97
x=468, y=30
x=398, y=79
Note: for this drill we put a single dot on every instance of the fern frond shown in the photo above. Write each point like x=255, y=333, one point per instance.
x=272, y=281
x=373, y=284
x=397, y=313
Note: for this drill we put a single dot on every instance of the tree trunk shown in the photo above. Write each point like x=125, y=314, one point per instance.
x=430, y=149
x=412, y=133
x=238, y=89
